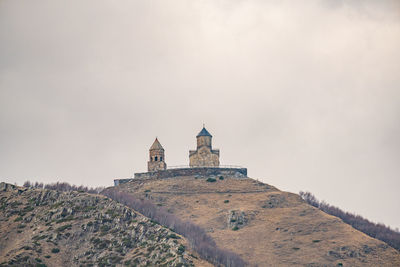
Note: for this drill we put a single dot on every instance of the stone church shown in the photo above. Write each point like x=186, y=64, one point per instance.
x=203, y=162
x=203, y=156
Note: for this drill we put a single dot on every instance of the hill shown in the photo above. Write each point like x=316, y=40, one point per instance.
x=40, y=227
x=265, y=226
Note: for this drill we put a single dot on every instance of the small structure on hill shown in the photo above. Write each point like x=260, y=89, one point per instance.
x=157, y=157
x=203, y=162
x=204, y=155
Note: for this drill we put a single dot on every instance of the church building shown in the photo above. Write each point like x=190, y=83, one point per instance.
x=203, y=162
x=204, y=155
x=157, y=157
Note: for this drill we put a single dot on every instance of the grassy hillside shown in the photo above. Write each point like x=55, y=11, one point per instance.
x=264, y=225
x=375, y=230
x=48, y=228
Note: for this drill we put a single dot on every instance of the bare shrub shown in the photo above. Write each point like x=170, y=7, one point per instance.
x=33, y=185
x=62, y=186
x=375, y=230
x=67, y=187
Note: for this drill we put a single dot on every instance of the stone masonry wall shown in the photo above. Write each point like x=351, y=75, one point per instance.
x=201, y=172
x=204, y=157
x=156, y=166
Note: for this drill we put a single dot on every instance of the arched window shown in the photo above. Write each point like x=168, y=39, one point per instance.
x=155, y=158
x=160, y=158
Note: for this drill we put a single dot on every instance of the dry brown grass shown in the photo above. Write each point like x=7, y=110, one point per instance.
x=281, y=229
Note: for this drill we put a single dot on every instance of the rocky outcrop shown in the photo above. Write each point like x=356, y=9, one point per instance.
x=45, y=227
x=236, y=219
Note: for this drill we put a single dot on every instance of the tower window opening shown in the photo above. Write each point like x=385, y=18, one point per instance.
x=160, y=158
x=155, y=158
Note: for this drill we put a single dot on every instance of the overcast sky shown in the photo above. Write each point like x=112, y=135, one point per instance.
x=305, y=94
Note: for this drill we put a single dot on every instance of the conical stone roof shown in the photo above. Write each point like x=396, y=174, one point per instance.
x=156, y=145
x=204, y=132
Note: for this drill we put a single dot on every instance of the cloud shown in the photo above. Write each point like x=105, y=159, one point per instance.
x=304, y=94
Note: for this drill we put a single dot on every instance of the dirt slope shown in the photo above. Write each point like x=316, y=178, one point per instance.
x=265, y=226
x=48, y=228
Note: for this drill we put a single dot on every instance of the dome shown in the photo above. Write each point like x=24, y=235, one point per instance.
x=204, y=132
x=156, y=145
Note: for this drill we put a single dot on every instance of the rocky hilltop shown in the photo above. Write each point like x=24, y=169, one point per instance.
x=48, y=228
x=265, y=226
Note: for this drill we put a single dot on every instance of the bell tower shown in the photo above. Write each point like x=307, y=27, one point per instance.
x=157, y=158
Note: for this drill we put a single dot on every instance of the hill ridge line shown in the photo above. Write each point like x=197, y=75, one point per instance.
x=208, y=192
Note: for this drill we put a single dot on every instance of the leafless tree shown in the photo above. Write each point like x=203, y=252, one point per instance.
x=64, y=187
x=375, y=230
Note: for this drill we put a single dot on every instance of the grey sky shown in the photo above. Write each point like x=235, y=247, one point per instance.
x=305, y=94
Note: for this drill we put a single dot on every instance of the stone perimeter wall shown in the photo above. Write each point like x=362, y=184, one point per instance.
x=199, y=172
